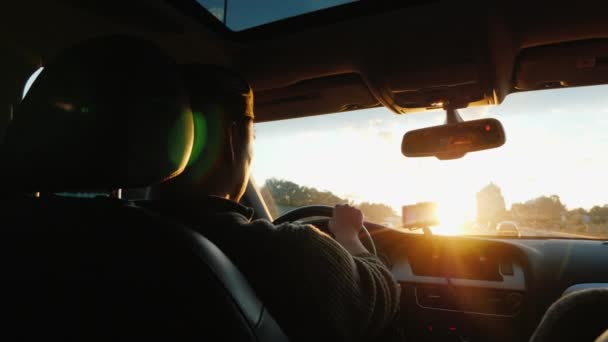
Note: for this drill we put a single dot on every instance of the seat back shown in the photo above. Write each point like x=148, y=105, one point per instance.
x=577, y=316
x=102, y=268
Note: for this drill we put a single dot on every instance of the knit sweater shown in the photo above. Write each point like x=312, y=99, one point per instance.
x=311, y=285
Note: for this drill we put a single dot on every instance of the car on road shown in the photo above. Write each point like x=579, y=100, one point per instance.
x=507, y=228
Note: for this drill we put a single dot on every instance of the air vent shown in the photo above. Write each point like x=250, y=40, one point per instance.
x=470, y=300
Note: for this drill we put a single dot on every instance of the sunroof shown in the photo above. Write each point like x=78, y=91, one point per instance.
x=240, y=15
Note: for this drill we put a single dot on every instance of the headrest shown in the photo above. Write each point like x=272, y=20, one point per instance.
x=108, y=113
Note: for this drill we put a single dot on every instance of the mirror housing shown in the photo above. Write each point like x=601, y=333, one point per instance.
x=454, y=139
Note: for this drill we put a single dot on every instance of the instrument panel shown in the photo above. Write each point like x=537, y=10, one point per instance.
x=484, y=288
x=461, y=291
x=492, y=289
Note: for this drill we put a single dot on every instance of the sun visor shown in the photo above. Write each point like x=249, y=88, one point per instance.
x=572, y=64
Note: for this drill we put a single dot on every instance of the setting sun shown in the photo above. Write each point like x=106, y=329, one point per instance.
x=452, y=213
x=451, y=220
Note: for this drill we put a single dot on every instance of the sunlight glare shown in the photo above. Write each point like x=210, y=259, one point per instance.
x=450, y=222
x=452, y=214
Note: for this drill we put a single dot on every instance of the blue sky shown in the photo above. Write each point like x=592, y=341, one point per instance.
x=556, y=143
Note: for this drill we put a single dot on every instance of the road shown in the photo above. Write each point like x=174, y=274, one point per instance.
x=526, y=231
x=540, y=232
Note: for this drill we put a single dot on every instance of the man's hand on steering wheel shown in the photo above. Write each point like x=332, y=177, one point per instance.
x=345, y=221
x=345, y=225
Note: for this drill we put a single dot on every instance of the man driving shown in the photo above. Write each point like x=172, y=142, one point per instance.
x=318, y=288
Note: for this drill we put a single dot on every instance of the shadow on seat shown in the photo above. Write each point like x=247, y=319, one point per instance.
x=578, y=316
x=110, y=113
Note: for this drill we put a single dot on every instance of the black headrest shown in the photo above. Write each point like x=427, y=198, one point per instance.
x=108, y=113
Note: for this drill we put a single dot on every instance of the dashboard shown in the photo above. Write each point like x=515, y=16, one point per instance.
x=485, y=289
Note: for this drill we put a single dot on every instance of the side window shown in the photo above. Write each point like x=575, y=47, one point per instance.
x=6, y=115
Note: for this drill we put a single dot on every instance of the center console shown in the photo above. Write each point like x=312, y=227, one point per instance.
x=460, y=293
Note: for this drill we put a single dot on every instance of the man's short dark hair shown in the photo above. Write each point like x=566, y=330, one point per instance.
x=218, y=98
x=220, y=86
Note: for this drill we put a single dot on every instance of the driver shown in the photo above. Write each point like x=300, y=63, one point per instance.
x=318, y=288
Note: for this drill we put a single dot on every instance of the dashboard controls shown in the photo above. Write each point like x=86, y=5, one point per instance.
x=514, y=301
x=506, y=268
x=435, y=297
x=444, y=332
x=511, y=275
x=469, y=300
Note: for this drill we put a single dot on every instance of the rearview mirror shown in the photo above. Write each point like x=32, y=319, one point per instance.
x=453, y=140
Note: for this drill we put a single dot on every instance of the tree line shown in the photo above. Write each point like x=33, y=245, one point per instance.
x=544, y=212
x=281, y=195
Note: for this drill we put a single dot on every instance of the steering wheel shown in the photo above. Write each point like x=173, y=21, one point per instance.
x=323, y=211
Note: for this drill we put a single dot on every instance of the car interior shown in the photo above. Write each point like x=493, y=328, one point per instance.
x=108, y=116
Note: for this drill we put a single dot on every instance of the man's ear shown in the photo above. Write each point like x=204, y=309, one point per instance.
x=231, y=135
x=234, y=142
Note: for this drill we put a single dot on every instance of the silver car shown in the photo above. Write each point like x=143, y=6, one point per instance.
x=507, y=228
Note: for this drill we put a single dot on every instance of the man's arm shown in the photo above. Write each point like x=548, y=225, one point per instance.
x=357, y=293
x=373, y=276
x=354, y=295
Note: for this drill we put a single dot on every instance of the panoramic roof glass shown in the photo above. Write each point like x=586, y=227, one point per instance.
x=238, y=15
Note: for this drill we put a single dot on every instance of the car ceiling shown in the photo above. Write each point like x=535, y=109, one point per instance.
x=407, y=55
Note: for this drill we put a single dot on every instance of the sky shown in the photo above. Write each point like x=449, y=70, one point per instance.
x=243, y=14
x=556, y=144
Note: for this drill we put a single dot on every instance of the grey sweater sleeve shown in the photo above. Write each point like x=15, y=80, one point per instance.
x=356, y=296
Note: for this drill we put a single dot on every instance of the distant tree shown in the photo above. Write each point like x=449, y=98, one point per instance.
x=599, y=215
x=279, y=192
x=376, y=212
x=521, y=211
x=267, y=196
x=548, y=210
x=577, y=217
x=490, y=205
x=578, y=211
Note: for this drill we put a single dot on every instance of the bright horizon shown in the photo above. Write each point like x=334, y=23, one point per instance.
x=555, y=141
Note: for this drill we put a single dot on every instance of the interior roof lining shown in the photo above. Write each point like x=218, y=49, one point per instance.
x=298, y=23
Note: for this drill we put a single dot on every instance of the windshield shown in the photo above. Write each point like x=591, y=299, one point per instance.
x=549, y=177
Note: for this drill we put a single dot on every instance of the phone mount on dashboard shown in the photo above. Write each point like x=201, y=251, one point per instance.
x=421, y=215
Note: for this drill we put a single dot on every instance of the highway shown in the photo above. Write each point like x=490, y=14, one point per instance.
x=525, y=231
x=540, y=232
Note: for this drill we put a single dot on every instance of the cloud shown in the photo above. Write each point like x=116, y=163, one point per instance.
x=584, y=161
x=386, y=135
x=375, y=122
